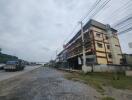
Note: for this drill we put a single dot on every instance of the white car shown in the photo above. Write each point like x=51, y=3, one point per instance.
x=2, y=66
x=14, y=65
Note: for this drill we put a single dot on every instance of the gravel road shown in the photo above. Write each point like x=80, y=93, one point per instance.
x=45, y=84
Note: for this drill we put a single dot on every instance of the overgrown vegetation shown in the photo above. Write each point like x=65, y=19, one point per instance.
x=100, y=80
x=108, y=98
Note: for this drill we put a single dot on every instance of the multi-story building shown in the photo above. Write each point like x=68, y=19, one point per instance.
x=101, y=46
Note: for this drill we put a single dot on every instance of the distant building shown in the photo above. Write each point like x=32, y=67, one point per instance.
x=62, y=56
x=101, y=45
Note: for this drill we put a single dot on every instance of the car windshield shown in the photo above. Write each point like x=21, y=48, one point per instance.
x=11, y=62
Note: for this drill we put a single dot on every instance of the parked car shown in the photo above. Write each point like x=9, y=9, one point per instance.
x=14, y=65
x=2, y=66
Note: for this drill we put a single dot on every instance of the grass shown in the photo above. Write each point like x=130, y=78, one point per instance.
x=108, y=98
x=99, y=80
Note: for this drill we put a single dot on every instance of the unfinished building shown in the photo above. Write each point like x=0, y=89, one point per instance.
x=101, y=46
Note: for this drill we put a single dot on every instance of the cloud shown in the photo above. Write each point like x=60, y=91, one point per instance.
x=34, y=29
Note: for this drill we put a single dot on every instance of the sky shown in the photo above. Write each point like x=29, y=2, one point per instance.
x=35, y=30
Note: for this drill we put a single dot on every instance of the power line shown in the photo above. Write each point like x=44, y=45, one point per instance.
x=125, y=31
x=71, y=32
x=100, y=8
x=123, y=21
x=124, y=6
x=124, y=26
x=92, y=8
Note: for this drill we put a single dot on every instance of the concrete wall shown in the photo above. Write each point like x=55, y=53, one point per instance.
x=108, y=68
x=102, y=60
x=128, y=73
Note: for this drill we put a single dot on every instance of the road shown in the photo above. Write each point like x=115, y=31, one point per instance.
x=45, y=84
x=6, y=75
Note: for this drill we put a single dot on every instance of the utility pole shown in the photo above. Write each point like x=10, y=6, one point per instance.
x=83, y=47
x=112, y=46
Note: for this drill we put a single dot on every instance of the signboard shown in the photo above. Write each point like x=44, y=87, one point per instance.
x=79, y=61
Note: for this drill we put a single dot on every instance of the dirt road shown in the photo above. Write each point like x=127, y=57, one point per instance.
x=45, y=84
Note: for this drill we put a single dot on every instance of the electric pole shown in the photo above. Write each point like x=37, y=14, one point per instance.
x=83, y=47
x=111, y=41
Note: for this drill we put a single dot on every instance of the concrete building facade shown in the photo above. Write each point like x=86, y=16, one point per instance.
x=101, y=46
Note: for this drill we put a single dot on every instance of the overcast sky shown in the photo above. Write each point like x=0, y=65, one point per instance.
x=34, y=29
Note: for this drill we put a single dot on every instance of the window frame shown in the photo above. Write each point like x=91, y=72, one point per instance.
x=98, y=34
x=100, y=45
x=110, y=55
x=108, y=47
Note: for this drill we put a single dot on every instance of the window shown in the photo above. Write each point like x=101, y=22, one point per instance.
x=108, y=46
x=119, y=54
x=106, y=37
x=98, y=34
x=109, y=55
x=100, y=45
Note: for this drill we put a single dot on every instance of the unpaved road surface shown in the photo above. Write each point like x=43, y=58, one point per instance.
x=45, y=84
